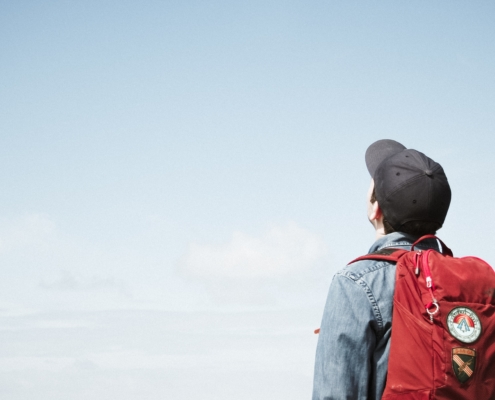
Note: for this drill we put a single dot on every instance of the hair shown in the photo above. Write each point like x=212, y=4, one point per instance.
x=415, y=228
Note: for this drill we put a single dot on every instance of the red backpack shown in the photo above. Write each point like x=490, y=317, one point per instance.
x=443, y=326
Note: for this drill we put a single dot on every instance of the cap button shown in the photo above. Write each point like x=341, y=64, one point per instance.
x=429, y=172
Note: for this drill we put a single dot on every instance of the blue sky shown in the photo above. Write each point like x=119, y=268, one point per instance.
x=198, y=161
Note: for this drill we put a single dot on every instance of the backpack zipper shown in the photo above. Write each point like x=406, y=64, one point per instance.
x=422, y=258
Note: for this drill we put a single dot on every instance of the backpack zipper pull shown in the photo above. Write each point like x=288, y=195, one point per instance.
x=430, y=286
x=432, y=313
x=417, y=255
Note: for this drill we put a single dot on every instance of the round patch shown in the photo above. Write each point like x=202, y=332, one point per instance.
x=464, y=324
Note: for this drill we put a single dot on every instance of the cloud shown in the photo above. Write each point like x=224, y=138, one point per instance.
x=280, y=251
x=46, y=267
x=67, y=281
x=32, y=231
x=125, y=354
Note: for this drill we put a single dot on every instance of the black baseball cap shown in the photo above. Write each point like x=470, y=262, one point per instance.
x=409, y=186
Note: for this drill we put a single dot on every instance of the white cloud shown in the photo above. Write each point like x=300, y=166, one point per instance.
x=155, y=355
x=45, y=267
x=33, y=231
x=67, y=281
x=279, y=251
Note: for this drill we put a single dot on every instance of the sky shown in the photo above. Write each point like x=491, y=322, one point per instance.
x=181, y=180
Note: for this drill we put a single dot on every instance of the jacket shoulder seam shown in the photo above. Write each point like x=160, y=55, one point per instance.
x=369, y=295
x=376, y=265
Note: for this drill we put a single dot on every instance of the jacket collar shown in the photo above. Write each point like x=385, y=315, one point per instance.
x=402, y=240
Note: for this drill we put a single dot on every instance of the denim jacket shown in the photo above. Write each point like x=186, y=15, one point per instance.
x=354, y=341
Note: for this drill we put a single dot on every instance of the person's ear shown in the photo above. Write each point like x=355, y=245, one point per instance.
x=376, y=212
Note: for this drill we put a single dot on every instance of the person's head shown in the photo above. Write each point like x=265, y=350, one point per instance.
x=409, y=191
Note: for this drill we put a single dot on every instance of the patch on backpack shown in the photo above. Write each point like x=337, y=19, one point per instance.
x=464, y=324
x=463, y=363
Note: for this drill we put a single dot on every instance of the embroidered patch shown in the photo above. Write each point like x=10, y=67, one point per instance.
x=464, y=324
x=463, y=363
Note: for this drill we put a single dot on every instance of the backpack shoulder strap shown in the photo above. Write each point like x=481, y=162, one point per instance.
x=387, y=254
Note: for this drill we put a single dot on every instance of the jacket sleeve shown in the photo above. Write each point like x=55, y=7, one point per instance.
x=346, y=342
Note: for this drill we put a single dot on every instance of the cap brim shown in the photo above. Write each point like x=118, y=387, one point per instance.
x=379, y=151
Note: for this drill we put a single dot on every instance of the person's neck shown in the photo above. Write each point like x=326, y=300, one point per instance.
x=379, y=229
x=380, y=234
